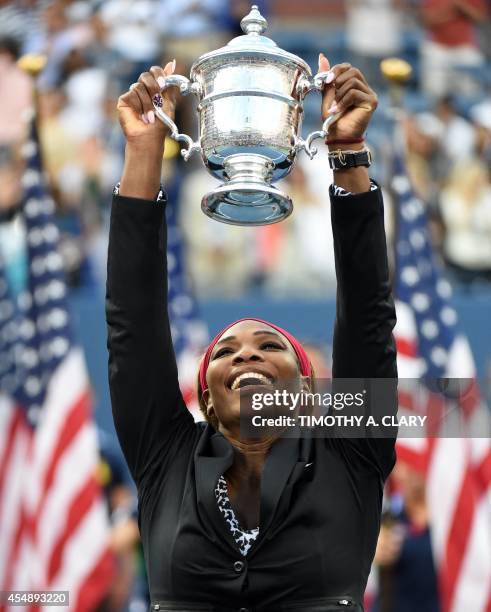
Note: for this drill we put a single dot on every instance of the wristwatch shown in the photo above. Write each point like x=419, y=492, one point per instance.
x=342, y=160
x=161, y=196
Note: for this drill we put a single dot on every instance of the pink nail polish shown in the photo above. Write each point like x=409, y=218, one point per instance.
x=161, y=82
x=173, y=66
x=330, y=76
x=144, y=118
x=334, y=108
x=151, y=116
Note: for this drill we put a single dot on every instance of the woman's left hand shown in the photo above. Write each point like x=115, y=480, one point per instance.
x=349, y=93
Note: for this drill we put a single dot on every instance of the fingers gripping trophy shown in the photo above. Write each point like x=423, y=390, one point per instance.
x=250, y=104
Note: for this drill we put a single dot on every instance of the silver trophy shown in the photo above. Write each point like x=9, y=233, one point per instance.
x=250, y=109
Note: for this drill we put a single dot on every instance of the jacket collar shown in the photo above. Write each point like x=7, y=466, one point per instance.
x=214, y=455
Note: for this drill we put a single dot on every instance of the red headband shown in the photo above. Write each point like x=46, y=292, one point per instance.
x=305, y=367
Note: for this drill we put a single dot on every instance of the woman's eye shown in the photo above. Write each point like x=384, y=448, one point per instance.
x=222, y=352
x=271, y=345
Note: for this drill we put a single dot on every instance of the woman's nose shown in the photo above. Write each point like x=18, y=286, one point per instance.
x=247, y=354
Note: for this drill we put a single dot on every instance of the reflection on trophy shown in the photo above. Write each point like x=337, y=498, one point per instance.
x=250, y=109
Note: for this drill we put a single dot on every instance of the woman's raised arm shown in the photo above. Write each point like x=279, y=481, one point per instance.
x=147, y=404
x=363, y=346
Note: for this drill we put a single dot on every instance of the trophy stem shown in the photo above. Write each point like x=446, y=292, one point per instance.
x=248, y=168
x=247, y=197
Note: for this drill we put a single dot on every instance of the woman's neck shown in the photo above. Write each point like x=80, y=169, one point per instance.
x=249, y=459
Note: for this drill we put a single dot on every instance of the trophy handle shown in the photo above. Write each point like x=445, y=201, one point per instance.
x=304, y=87
x=185, y=87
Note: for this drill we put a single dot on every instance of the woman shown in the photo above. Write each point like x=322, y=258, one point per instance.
x=308, y=507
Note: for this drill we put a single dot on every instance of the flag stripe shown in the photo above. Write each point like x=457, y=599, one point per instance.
x=70, y=478
x=93, y=587
x=457, y=537
x=15, y=424
x=75, y=420
x=79, y=506
x=90, y=536
x=68, y=384
x=472, y=573
x=11, y=518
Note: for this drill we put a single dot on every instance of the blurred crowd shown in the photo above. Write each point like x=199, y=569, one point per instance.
x=96, y=49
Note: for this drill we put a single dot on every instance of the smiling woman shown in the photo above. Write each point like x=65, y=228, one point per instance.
x=249, y=337
x=228, y=523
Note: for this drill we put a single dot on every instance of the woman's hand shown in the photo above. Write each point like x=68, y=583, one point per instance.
x=145, y=135
x=136, y=110
x=349, y=93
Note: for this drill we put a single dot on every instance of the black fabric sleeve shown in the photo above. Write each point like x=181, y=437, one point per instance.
x=363, y=345
x=148, y=409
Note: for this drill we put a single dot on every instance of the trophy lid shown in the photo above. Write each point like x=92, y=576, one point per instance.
x=252, y=42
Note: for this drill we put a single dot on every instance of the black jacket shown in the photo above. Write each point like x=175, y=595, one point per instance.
x=320, y=498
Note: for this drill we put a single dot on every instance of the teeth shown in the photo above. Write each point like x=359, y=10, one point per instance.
x=255, y=375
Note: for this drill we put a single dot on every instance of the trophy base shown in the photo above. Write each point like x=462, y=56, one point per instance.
x=247, y=198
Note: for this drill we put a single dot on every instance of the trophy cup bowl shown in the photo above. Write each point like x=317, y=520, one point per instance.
x=250, y=104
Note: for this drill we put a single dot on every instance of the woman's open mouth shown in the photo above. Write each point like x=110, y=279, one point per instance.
x=250, y=379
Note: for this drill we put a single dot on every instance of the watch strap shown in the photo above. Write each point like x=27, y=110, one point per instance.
x=343, y=160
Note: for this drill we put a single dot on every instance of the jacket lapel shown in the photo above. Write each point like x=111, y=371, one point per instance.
x=285, y=463
x=212, y=458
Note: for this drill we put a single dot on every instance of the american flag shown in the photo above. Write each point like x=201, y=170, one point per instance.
x=53, y=522
x=458, y=470
x=189, y=332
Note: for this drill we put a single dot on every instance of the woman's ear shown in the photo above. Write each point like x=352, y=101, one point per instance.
x=206, y=399
x=306, y=384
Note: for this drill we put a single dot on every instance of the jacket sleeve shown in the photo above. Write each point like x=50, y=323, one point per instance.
x=148, y=409
x=363, y=344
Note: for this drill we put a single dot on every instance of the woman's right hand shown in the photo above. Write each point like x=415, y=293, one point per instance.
x=145, y=135
x=136, y=110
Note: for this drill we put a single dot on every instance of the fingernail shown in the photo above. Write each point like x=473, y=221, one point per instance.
x=330, y=76
x=334, y=108
x=173, y=65
x=151, y=116
x=144, y=119
x=161, y=82
x=319, y=60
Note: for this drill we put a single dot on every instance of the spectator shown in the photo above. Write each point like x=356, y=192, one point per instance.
x=22, y=21
x=451, y=44
x=364, y=17
x=124, y=538
x=15, y=93
x=304, y=262
x=64, y=32
x=132, y=32
x=466, y=210
x=237, y=9
x=191, y=27
x=481, y=116
x=216, y=252
x=458, y=137
x=407, y=577
x=12, y=232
